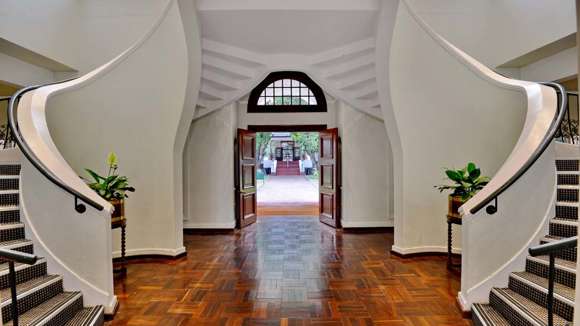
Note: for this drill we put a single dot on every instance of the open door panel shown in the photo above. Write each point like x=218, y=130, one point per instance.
x=329, y=171
x=245, y=178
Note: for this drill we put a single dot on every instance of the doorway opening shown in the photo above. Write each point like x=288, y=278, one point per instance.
x=287, y=174
x=287, y=171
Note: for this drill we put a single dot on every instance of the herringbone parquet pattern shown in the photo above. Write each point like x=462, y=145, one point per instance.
x=289, y=271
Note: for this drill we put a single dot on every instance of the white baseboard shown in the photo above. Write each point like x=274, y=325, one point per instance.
x=367, y=224
x=151, y=251
x=193, y=225
x=423, y=249
x=463, y=302
x=111, y=306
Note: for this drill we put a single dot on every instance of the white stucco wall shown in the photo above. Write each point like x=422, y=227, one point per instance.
x=561, y=65
x=446, y=116
x=80, y=34
x=209, y=169
x=124, y=111
x=489, y=28
x=50, y=28
x=22, y=73
x=367, y=182
x=101, y=21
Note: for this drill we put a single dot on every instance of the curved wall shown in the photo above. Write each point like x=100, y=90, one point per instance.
x=446, y=116
x=136, y=110
x=81, y=34
x=530, y=22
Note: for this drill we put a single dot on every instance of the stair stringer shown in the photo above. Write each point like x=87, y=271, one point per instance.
x=499, y=278
x=97, y=287
x=489, y=242
x=76, y=246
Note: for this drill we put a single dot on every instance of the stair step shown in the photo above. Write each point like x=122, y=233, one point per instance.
x=485, y=315
x=567, y=212
x=565, y=270
x=22, y=245
x=9, y=197
x=567, y=195
x=9, y=182
x=567, y=204
x=535, y=288
x=568, y=254
x=10, y=169
x=57, y=310
x=568, y=179
x=89, y=316
x=563, y=227
x=572, y=187
x=11, y=231
x=31, y=294
x=519, y=310
x=24, y=272
x=567, y=165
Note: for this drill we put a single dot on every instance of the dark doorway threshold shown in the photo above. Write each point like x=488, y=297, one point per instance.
x=287, y=128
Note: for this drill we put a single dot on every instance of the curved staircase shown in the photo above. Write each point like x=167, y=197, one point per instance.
x=524, y=300
x=42, y=299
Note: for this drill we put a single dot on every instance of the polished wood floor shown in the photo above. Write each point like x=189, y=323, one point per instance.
x=288, y=271
x=288, y=209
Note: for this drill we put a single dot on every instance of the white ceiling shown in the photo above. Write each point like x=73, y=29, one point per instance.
x=333, y=41
x=288, y=27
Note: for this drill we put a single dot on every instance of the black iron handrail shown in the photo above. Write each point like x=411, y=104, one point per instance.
x=554, y=128
x=551, y=249
x=13, y=256
x=5, y=134
x=34, y=160
x=570, y=124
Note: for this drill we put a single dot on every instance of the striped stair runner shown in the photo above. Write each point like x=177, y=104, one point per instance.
x=524, y=301
x=41, y=297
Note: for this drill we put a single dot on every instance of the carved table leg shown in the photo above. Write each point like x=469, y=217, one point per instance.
x=123, y=260
x=449, y=243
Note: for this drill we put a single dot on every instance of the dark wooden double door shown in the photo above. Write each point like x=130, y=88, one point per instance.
x=329, y=180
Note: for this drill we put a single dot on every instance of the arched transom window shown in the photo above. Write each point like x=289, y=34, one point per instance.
x=287, y=91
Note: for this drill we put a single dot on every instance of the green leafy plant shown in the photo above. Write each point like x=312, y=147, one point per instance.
x=112, y=186
x=467, y=181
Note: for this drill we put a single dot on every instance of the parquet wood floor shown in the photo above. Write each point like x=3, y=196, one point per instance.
x=288, y=209
x=288, y=271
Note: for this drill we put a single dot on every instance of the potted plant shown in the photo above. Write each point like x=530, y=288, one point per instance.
x=467, y=182
x=112, y=187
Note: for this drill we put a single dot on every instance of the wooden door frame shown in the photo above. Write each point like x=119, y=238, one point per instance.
x=334, y=219
x=239, y=184
x=310, y=128
x=289, y=128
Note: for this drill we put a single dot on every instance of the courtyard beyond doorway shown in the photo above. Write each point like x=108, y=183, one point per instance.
x=295, y=195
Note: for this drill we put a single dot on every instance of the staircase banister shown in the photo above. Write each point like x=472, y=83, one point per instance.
x=553, y=247
x=35, y=160
x=541, y=148
x=18, y=256
x=41, y=94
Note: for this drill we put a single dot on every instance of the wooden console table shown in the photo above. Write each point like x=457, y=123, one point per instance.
x=450, y=221
x=120, y=222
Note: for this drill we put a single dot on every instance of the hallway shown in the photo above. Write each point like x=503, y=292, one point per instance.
x=288, y=271
x=288, y=195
